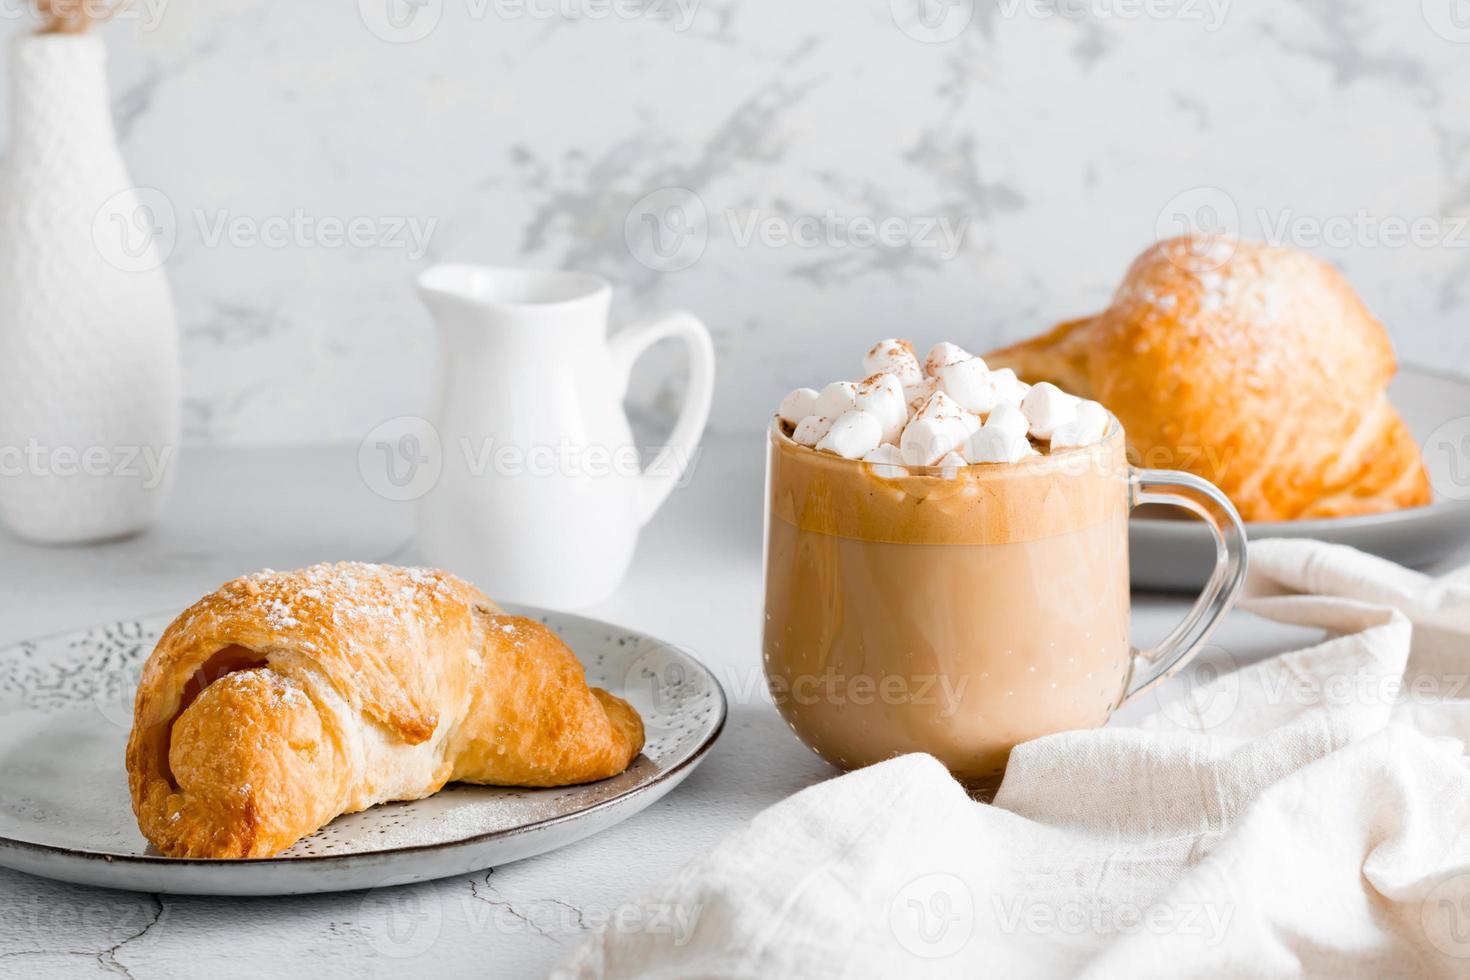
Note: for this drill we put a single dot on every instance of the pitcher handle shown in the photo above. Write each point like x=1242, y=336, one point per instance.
x=627, y=345
x=1189, y=492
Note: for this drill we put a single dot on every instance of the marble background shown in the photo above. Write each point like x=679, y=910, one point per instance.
x=725, y=156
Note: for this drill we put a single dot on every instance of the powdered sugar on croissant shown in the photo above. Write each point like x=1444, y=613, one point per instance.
x=282, y=700
x=1257, y=368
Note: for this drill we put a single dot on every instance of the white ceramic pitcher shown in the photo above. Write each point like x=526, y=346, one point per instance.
x=541, y=493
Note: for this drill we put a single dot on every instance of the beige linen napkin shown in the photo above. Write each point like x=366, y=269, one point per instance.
x=1308, y=815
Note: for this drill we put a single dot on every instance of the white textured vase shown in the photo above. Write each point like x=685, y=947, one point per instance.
x=89, y=349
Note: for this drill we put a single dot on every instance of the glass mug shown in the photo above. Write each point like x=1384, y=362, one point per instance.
x=962, y=613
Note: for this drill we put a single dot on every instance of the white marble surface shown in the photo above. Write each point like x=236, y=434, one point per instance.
x=1063, y=135
x=696, y=582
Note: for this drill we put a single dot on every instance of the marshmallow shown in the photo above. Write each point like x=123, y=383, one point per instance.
x=928, y=440
x=1068, y=435
x=997, y=445
x=894, y=357
x=1008, y=387
x=968, y=382
x=853, y=435
x=1094, y=416
x=887, y=462
x=1047, y=408
x=798, y=405
x=918, y=394
x=836, y=398
x=949, y=411
x=1087, y=428
x=1008, y=418
x=942, y=355
x=952, y=463
x=882, y=395
x=941, y=406
x=810, y=430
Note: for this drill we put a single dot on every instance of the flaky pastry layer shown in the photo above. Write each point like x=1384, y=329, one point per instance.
x=285, y=699
x=1256, y=368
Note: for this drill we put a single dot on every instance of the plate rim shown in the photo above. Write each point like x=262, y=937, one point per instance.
x=1266, y=529
x=678, y=769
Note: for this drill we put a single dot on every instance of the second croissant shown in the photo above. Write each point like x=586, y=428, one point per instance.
x=1256, y=368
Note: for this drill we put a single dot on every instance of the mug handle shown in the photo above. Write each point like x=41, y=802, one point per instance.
x=629, y=344
x=1179, y=489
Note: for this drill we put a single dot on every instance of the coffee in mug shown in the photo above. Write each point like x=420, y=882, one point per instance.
x=964, y=589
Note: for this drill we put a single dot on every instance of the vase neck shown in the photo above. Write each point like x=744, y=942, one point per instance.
x=59, y=79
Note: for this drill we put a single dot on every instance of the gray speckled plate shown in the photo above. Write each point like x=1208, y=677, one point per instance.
x=1172, y=555
x=66, y=707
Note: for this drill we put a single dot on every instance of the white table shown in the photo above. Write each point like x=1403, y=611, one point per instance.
x=695, y=582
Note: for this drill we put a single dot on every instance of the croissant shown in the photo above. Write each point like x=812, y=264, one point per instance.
x=1256, y=368
x=287, y=698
